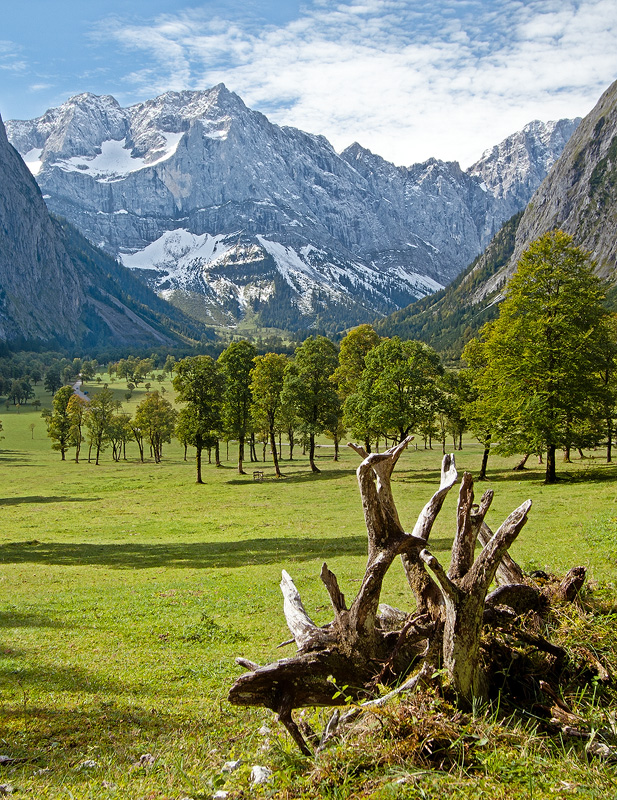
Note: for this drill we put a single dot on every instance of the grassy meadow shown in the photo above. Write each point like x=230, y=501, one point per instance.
x=126, y=592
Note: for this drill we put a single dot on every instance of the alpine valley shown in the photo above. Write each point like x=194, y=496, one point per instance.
x=230, y=216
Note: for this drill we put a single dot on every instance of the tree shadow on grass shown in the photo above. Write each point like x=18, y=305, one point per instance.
x=12, y=456
x=14, y=619
x=37, y=498
x=187, y=555
x=54, y=678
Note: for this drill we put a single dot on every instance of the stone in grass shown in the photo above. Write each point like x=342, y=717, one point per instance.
x=221, y=794
x=230, y=766
x=6, y=788
x=260, y=775
x=145, y=760
x=89, y=763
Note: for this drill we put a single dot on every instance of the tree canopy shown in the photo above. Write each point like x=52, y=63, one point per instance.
x=539, y=385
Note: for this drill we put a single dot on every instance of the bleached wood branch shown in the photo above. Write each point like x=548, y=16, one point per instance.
x=302, y=627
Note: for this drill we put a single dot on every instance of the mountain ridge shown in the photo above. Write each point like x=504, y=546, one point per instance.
x=282, y=226
x=578, y=196
x=55, y=286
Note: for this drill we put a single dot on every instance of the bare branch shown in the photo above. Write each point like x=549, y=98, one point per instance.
x=448, y=588
x=508, y=570
x=465, y=539
x=250, y=665
x=337, y=598
x=358, y=449
x=302, y=627
x=485, y=566
x=429, y=513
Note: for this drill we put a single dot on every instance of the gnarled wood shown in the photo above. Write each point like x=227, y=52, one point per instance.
x=366, y=644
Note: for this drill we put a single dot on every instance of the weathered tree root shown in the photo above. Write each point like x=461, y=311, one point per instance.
x=363, y=646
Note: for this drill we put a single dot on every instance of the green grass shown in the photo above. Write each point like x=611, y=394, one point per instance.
x=126, y=592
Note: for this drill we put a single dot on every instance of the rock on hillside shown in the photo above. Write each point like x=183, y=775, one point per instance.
x=580, y=194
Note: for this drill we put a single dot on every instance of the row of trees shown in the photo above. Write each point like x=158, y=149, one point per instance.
x=539, y=378
x=374, y=389
x=100, y=422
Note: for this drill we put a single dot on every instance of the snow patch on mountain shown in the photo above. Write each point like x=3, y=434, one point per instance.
x=33, y=161
x=177, y=252
x=116, y=160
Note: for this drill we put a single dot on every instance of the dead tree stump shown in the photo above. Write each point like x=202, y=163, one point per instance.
x=362, y=646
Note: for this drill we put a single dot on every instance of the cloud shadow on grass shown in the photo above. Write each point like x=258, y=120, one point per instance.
x=189, y=555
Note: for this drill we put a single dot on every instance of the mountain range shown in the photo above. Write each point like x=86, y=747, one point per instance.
x=228, y=215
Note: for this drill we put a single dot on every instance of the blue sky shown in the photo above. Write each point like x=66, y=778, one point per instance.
x=409, y=79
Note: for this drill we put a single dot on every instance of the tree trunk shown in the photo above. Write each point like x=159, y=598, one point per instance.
x=241, y=456
x=551, y=472
x=217, y=454
x=314, y=467
x=485, y=455
x=609, y=440
x=198, y=461
x=521, y=464
x=277, y=469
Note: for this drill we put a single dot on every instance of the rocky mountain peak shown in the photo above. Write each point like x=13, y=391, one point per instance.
x=580, y=193
x=265, y=214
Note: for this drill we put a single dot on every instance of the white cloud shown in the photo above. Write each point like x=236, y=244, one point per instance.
x=10, y=58
x=409, y=79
